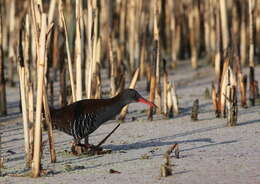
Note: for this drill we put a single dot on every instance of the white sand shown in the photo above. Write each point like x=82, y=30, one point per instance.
x=210, y=151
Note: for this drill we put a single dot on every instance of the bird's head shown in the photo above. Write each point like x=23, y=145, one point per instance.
x=132, y=96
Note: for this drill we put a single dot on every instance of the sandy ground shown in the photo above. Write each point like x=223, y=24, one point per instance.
x=210, y=152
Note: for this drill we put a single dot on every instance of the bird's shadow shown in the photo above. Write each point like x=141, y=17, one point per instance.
x=152, y=143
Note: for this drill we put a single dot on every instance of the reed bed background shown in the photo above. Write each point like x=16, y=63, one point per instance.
x=79, y=44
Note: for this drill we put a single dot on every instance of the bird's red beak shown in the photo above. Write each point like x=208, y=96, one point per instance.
x=144, y=101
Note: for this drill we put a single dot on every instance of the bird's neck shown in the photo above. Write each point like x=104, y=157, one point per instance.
x=111, y=109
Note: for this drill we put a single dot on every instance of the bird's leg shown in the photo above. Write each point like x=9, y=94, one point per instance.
x=75, y=142
x=86, y=143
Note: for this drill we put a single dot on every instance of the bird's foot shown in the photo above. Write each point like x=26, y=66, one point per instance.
x=88, y=146
x=89, y=149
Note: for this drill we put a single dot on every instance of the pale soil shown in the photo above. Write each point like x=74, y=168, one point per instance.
x=210, y=152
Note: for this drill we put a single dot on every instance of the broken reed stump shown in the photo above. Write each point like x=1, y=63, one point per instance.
x=195, y=110
x=3, y=110
x=166, y=167
x=174, y=99
x=215, y=100
x=232, y=107
x=170, y=99
x=252, y=86
x=207, y=93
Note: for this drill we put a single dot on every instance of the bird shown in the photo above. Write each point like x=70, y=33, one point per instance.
x=81, y=118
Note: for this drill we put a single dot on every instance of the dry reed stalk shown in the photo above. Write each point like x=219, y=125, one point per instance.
x=112, y=69
x=21, y=71
x=155, y=60
x=36, y=9
x=49, y=123
x=232, y=108
x=243, y=35
x=213, y=23
x=174, y=99
x=12, y=42
x=89, y=59
x=157, y=73
x=251, y=56
x=252, y=86
x=78, y=50
x=218, y=59
x=152, y=89
x=165, y=86
x=45, y=102
x=68, y=51
x=28, y=87
x=97, y=74
x=51, y=10
x=98, y=82
x=93, y=47
x=243, y=86
x=207, y=28
x=175, y=29
x=251, y=34
x=40, y=68
x=3, y=110
x=1, y=158
x=31, y=119
x=122, y=28
x=193, y=36
x=224, y=24
x=131, y=86
x=142, y=58
x=132, y=34
x=257, y=22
